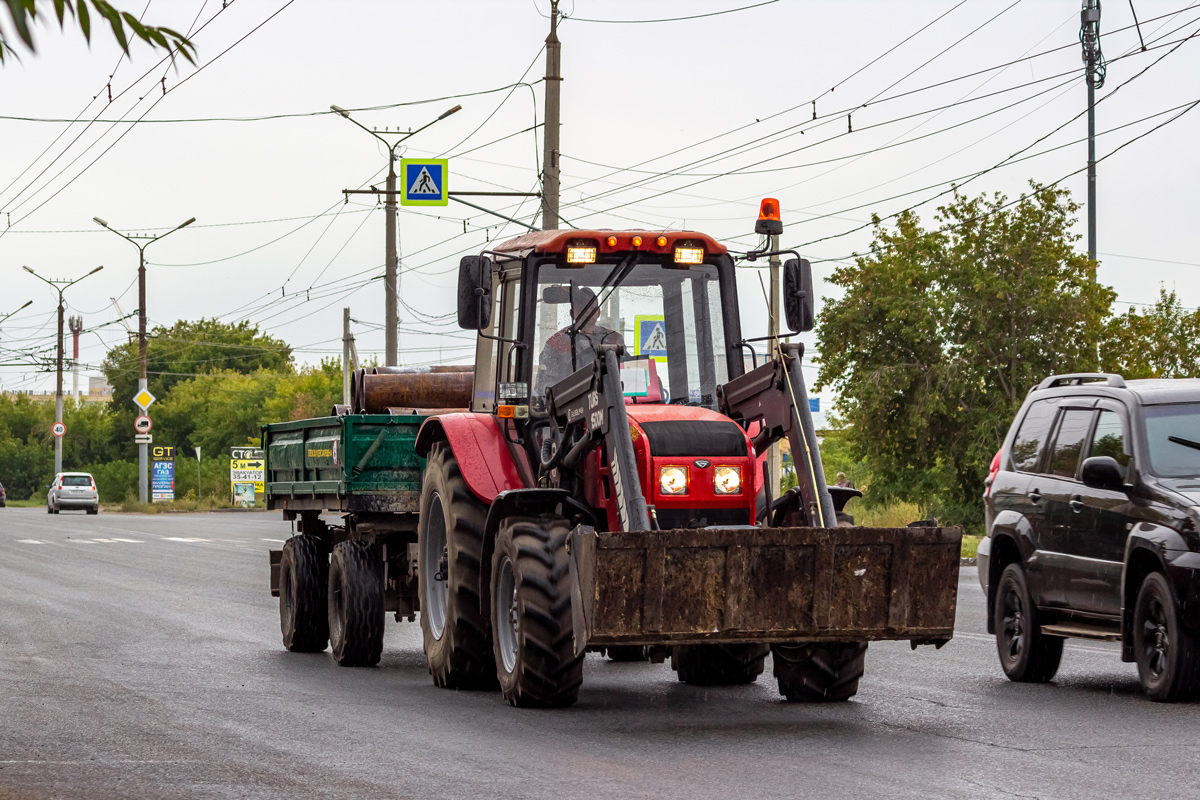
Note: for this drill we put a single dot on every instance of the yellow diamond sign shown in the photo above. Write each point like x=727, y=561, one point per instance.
x=144, y=398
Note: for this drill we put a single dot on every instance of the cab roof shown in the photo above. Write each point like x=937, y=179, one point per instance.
x=555, y=241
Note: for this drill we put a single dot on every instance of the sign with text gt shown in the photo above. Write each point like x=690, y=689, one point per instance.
x=162, y=473
x=423, y=181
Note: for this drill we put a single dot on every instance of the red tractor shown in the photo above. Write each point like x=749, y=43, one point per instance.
x=604, y=489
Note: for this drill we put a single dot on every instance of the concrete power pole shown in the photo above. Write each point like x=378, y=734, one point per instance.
x=346, y=357
x=550, y=162
x=1089, y=37
x=76, y=326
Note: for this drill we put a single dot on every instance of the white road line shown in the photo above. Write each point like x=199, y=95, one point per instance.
x=183, y=539
x=30, y=541
x=277, y=541
x=129, y=541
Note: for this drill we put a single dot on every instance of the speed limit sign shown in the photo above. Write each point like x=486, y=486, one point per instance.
x=142, y=424
x=59, y=429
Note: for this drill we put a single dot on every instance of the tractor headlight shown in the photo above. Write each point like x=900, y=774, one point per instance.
x=673, y=480
x=727, y=480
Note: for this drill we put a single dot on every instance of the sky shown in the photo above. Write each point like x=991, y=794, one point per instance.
x=684, y=123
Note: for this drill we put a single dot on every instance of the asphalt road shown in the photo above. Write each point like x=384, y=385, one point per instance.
x=140, y=657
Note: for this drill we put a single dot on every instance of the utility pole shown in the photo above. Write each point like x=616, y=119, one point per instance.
x=550, y=130
x=76, y=326
x=59, y=286
x=143, y=459
x=1089, y=37
x=199, y=482
x=346, y=400
x=391, y=315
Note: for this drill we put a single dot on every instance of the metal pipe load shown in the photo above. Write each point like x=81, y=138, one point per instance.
x=384, y=390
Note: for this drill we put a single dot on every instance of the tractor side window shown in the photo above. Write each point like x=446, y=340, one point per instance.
x=1068, y=444
x=1109, y=438
x=1034, y=430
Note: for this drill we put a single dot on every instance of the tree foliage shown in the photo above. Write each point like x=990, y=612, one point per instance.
x=24, y=14
x=1163, y=341
x=940, y=334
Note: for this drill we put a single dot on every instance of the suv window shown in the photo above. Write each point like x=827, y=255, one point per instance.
x=1034, y=428
x=76, y=480
x=1109, y=438
x=1068, y=444
x=1169, y=429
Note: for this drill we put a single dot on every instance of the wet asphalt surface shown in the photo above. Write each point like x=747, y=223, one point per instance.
x=140, y=657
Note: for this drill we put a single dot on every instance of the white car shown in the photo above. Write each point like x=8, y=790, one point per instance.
x=73, y=490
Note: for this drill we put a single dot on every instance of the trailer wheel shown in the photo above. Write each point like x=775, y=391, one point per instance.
x=534, y=643
x=458, y=641
x=303, y=593
x=718, y=664
x=819, y=673
x=355, y=604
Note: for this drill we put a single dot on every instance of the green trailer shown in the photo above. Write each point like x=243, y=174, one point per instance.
x=354, y=478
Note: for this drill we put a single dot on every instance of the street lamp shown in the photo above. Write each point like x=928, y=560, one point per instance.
x=28, y=303
x=59, y=286
x=390, y=314
x=148, y=240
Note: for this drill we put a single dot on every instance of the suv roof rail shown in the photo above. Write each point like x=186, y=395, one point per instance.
x=1078, y=378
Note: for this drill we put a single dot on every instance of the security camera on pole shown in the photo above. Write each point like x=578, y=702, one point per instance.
x=143, y=480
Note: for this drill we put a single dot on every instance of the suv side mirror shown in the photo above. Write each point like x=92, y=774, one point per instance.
x=1103, y=472
x=474, y=292
x=798, y=294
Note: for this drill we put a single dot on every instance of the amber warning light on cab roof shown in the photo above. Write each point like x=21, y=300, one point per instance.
x=769, y=222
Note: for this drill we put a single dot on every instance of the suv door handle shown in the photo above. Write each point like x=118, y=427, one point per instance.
x=1076, y=504
x=1035, y=497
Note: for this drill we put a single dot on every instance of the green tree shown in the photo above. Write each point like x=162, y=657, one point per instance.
x=1163, y=341
x=940, y=334
x=178, y=353
x=24, y=14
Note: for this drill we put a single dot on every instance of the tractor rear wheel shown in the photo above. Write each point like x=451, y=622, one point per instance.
x=355, y=604
x=458, y=639
x=719, y=664
x=819, y=673
x=303, y=593
x=534, y=643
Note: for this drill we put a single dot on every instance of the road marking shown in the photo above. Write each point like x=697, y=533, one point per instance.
x=183, y=539
x=30, y=541
x=129, y=541
x=276, y=541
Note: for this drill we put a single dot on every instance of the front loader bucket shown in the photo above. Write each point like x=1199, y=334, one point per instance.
x=725, y=585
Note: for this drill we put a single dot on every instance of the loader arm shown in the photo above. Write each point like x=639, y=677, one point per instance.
x=593, y=397
x=775, y=395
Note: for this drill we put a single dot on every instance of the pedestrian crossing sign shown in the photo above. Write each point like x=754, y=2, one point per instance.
x=423, y=181
x=651, y=336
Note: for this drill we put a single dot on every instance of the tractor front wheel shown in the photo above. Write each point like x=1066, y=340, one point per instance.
x=719, y=664
x=819, y=673
x=534, y=646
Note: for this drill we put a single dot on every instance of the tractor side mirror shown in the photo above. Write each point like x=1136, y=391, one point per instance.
x=798, y=294
x=474, y=292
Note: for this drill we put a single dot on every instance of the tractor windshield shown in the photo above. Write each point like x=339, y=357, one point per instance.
x=668, y=319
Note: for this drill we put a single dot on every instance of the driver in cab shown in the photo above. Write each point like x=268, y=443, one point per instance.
x=565, y=353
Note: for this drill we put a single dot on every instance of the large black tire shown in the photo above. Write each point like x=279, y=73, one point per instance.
x=93, y=511
x=819, y=672
x=303, y=594
x=531, y=601
x=458, y=639
x=1167, y=653
x=355, y=604
x=1026, y=654
x=719, y=664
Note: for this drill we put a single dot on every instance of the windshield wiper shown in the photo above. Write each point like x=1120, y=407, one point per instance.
x=1184, y=442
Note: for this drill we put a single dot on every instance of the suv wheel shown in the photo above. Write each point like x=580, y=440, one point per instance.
x=1168, y=655
x=1026, y=654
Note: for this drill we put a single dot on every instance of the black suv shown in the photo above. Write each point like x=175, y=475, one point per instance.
x=1093, y=511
